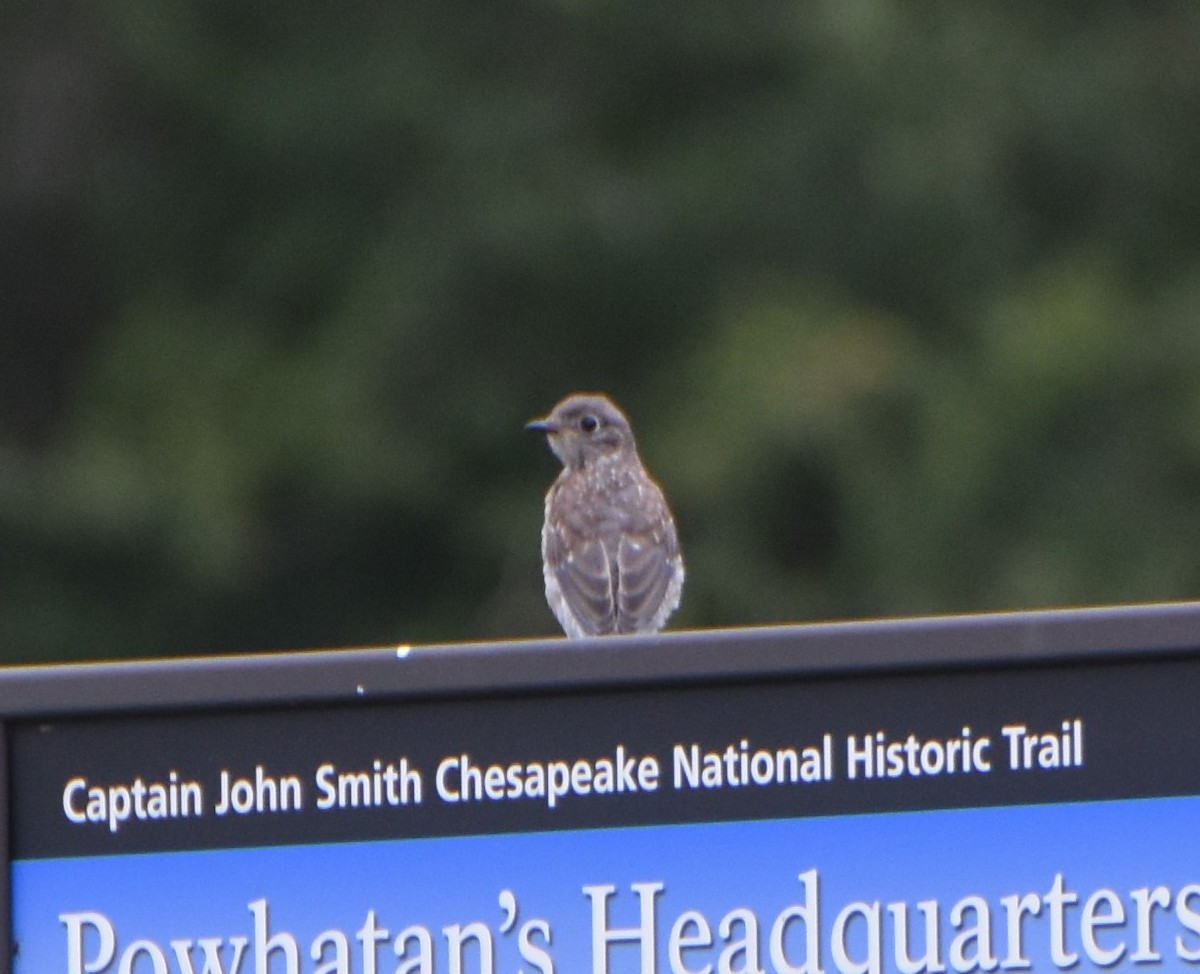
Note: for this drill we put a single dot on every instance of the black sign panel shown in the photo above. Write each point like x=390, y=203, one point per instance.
x=589, y=760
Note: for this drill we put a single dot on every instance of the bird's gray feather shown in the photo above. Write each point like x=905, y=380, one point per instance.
x=611, y=554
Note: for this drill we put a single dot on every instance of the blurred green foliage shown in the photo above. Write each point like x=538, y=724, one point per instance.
x=902, y=298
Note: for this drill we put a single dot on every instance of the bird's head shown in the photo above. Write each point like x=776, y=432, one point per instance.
x=585, y=427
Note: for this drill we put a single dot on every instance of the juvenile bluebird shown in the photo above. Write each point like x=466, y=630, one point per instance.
x=610, y=553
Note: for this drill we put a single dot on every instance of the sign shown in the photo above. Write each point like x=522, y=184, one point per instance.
x=999, y=793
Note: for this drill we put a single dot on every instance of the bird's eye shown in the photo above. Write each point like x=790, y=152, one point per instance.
x=588, y=424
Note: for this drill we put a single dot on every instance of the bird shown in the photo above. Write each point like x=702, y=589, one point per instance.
x=610, y=551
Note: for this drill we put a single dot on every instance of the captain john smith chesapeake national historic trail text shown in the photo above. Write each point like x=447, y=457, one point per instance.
x=460, y=778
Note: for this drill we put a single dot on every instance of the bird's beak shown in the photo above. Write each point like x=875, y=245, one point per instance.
x=542, y=426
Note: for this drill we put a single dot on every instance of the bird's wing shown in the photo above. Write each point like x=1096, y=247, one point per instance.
x=650, y=574
x=579, y=580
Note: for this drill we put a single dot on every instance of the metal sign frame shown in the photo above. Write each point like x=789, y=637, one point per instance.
x=490, y=671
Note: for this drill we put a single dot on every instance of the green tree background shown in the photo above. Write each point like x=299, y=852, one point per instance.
x=901, y=296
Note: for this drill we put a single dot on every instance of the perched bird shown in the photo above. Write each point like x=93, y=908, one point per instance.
x=610, y=554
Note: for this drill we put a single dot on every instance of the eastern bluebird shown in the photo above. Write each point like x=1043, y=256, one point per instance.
x=610, y=553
